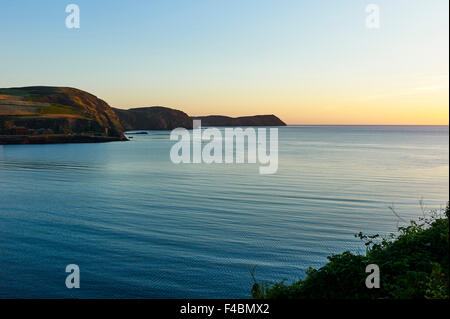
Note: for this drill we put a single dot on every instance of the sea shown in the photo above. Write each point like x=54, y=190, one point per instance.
x=138, y=225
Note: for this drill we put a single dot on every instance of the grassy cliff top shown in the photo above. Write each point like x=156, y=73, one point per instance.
x=38, y=102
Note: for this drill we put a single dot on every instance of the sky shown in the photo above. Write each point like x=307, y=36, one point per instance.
x=308, y=62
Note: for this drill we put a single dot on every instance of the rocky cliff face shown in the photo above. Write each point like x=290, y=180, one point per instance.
x=58, y=110
x=43, y=110
x=153, y=118
x=257, y=120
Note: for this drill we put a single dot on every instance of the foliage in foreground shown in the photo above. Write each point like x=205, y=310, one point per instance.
x=413, y=264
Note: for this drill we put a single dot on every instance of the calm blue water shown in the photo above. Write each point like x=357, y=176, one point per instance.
x=139, y=226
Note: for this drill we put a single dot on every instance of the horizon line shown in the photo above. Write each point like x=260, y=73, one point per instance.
x=367, y=124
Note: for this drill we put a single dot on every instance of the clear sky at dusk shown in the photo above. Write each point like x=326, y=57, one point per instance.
x=309, y=62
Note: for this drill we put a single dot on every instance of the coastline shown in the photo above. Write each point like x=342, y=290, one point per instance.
x=55, y=139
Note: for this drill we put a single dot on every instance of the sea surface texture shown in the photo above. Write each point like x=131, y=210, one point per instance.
x=139, y=226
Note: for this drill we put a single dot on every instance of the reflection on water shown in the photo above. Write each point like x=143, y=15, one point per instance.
x=140, y=226
x=43, y=166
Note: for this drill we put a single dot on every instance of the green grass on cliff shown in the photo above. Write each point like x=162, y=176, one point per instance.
x=414, y=264
x=59, y=109
x=15, y=92
x=46, y=107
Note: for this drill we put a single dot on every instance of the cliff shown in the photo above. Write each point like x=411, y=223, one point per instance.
x=51, y=111
x=153, y=118
x=43, y=114
x=256, y=120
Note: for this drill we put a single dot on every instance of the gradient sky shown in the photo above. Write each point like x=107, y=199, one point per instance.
x=309, y=62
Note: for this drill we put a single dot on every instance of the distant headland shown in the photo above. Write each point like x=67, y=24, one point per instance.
x=44, y=115
x=153, y=118
x=256, y=120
